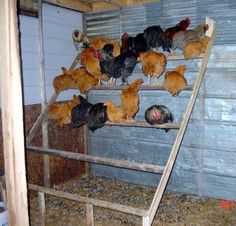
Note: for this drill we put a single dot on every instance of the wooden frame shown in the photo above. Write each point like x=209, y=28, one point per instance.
x=147, y=215
x=12, y=116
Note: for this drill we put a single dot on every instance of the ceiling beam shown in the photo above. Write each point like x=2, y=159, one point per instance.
x=114, y=2
x=72, y=4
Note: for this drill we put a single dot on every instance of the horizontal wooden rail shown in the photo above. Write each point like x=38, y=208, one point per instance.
x=181, y=57
x=100, y=160
x=144, y=87
x=145, y=125
x=94, y=202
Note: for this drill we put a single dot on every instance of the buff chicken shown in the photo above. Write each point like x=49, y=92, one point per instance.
x=175, y=80
x=153, y=64
x=130, y=98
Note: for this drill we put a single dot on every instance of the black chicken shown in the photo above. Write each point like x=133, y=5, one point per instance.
x=158, y=114
x=80, y=113
x=95, y=115
x=116, y=67
x=137, y=44
x=155, y=37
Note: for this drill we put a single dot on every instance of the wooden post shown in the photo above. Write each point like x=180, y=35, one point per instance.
x=12, y=116
x=42, y=209
x=46, y=164
x=89, y=214
x=146, y=221
x=85, y=127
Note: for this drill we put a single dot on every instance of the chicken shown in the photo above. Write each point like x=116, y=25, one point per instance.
x=84, y=81
x=114, y=113
x=181, y=38
x=63, y=81
x=97, y=116
x=116, y=67
x=62, y=112
x=79, y=39
x=99, y=43
x=181, y=26
x=89, y=59
x=94, y=115
x=175, y=80
x=155, y=37
x=158, y=114
x=124, y=39
x=137, y=44
x=153, y=64
x=79, y=113
x=195, y=48
x=130, y=98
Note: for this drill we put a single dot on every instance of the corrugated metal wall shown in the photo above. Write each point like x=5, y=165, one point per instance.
x=206, y=164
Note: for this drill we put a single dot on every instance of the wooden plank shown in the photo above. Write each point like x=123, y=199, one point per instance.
x=12, y=116
x=89, y=214
x=94, y=202
x=166, y=174
x=181, y=57
x=146, y=221
x=144, y=87
x=46, y=167
x=86, y=150
x=72, y=4
x=42, y=208
x=99, y=160
x=114, y=2
x=144, y=125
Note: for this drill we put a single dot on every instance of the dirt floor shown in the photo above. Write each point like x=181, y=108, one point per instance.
x=175, y=209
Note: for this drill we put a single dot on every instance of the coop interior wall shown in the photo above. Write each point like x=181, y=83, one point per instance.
x=206, y=162
x=58, y=24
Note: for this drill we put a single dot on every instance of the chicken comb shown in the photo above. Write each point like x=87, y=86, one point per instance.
x=206, y=27
x=97, y=53
x=125, y=35
x=188, y=20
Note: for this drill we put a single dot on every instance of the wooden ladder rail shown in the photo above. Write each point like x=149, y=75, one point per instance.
x=171, y=160
x=44, y=113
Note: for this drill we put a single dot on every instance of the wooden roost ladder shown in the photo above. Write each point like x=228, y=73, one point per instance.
x=147, y=215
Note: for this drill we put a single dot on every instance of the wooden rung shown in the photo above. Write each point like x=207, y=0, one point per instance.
x=89, y=214
x=94, y=202
x=144, y=87
x=100, y=160
x=42, y=208
x=181, y=57
x=145, y=125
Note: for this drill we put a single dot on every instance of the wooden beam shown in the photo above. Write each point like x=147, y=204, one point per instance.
x=12, y=116
x=135, y=2
x=42, y=208
x=99, y=6
x=29, y=5
x=171, y=160
x=144, y=87
x=94, y=202
x=72, y=4
x=46, y=164
x=144, y=124
x=89, y=214
x=100, y=160
x=114, y=2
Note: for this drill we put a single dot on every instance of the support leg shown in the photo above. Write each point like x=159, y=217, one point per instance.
x=146, y=221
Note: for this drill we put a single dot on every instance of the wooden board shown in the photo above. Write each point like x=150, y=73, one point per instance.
x=12, y=116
